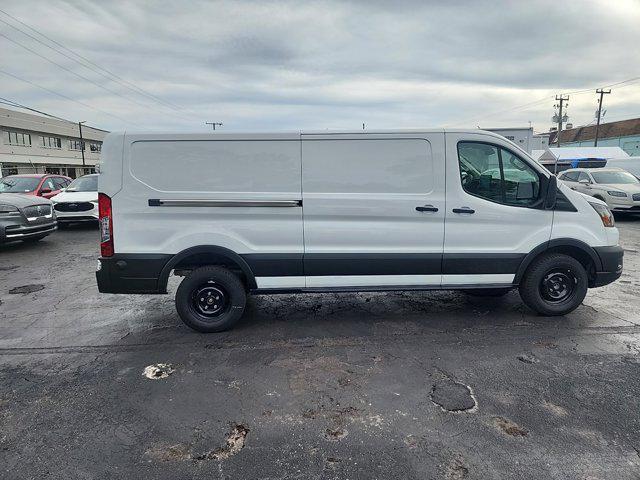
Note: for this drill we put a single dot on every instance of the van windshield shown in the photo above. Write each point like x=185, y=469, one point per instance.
x=614, y=177
x=84, y=184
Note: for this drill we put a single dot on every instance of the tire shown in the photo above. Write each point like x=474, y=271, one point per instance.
x=554, y=284
x=198, y=294
x=487, y=292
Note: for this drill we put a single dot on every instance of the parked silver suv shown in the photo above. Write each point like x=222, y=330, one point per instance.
x=25, y=217
x=615, y=186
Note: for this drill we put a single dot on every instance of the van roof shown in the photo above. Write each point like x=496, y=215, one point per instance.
x=307, y=132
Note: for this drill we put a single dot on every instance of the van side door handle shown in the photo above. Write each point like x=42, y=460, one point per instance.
x=427, y=208
x=463, y=210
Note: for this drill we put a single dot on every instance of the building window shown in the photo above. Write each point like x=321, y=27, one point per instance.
x=95, y=147
x=50, y=142
x=75, y=145
x=8, y=170
x=17, y=138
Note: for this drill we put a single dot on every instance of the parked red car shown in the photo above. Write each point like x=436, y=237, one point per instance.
x=41, y=184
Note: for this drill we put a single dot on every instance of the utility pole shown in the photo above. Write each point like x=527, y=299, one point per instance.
x=561, y=99
x=82, y=145
x=213, y=124
x=602, y=93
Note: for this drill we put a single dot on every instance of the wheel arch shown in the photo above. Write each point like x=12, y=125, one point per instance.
x=202, y=255
x=577, y=249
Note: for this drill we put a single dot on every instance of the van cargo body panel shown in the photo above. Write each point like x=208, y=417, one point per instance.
x=179, y=191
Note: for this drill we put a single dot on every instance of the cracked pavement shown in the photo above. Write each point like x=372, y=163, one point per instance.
x=312, y=386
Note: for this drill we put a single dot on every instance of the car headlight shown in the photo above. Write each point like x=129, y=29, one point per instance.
x=9, y=210
x=605, y=214
x=615, y=193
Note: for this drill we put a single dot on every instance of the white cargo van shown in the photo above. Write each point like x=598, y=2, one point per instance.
x=349, y=211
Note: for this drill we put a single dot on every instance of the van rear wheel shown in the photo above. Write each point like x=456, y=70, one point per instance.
x=554, y=284
x=211, y=299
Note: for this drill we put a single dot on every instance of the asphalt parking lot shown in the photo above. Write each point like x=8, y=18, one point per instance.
x=421, y=385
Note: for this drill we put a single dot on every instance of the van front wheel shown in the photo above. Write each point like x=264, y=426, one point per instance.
x=554, y=284
x=211, y=299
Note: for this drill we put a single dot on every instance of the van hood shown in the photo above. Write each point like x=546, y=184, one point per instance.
x=75, y=197
x=590, y=199
x=20, y=200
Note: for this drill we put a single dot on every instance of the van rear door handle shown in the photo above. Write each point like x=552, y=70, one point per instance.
x=427, y=208
x=463, y=210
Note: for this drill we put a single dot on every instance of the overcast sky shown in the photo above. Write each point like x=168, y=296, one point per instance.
x=315, y=65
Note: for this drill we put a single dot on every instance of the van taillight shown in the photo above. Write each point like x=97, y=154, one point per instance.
x=106, y=225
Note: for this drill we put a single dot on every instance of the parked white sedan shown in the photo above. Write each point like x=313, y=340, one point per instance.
x=79, y=201
x=615, y=186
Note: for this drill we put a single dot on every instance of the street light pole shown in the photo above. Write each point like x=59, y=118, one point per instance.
x=213, y=124
x=82, y=146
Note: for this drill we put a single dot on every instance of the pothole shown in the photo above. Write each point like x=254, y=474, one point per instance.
x=235, y=443
x=335, y=434
x=171, y=453
x=510, y=428
x=456, y=469
x=526, y=358
x=452, y=396
x=36, y=287
x=158, y=371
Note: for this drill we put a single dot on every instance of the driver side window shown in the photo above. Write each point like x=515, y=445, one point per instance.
x=495, y=174
x=584, y=176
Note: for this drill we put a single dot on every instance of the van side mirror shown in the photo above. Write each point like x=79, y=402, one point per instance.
x=524, y=191
x=584, y=181
x=552, y=193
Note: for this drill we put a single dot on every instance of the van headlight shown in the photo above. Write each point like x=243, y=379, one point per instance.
x=605, y=214
x=615, y=193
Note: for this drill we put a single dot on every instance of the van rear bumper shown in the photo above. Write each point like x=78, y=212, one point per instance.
x=611, y=259
x=131, y=273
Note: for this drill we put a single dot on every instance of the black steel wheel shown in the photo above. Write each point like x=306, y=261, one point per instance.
x=558, y=285
x=211, y=299
x=554, y=284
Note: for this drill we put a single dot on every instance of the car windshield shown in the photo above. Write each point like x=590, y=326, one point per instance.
x=18, y=184
x=84, y=184
x=614, y=177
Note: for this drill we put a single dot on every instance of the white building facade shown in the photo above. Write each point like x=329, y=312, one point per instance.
x=38, y=144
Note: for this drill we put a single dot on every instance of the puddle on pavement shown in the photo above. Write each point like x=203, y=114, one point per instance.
x=27, y=288
x=452, y=396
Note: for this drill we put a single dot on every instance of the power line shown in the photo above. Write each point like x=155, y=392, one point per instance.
x=6, y=101
x=66, y=97
x=622, y=84
x=91, y=65
x=86, y=79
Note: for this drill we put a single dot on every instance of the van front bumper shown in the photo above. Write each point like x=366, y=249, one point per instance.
x=131, y=273
x=611, y=260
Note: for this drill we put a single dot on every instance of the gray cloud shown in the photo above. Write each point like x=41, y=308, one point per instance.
x=290, y=65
